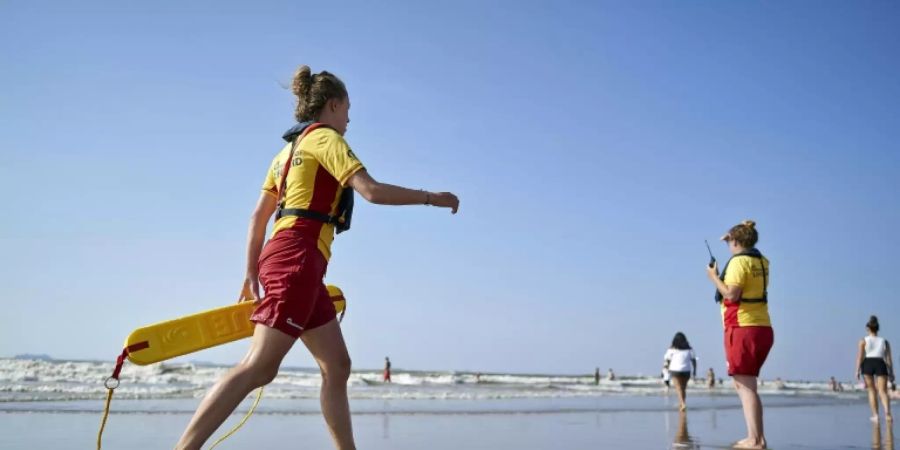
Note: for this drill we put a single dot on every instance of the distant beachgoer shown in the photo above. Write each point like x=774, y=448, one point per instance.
x=874, y=364
x=307, y=188
x=680, y=362
x=667, y=378
x=742, y=291
x=834, y=385
x=710, y=378
x=779, y=384
x=386, y=376
x=478, y=377
x=597, y=376
x=610, y=375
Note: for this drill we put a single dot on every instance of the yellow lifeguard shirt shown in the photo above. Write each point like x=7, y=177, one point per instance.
x=323, y=163
x=747, y=273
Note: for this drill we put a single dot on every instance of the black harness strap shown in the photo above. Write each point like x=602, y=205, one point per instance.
x=755, y=254
x=341, y=222
x=306, y=214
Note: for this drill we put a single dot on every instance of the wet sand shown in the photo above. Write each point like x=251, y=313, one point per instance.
x=621, y=423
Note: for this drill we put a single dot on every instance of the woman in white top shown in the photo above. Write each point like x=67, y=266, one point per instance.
x=681, y=362
x=873, y=363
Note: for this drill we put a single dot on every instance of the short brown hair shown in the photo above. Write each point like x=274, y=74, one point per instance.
x=313, y=91
x=744, y=234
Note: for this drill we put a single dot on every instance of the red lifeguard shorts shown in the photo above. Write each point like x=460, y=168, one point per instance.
x=292, y=270
x=746, y=349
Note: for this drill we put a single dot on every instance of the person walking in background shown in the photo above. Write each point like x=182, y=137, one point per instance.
x=710, y=378
x=667, y=378
x=681, y=363
x=597, y=376
x=610, y=375
x=386, y=376
x=742, y=292
x=875, y=365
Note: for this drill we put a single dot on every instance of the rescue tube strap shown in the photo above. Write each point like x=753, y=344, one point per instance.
x=112, y=383
x=120, y=360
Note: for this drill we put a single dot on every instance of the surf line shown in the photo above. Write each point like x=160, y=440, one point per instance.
x=177, y=337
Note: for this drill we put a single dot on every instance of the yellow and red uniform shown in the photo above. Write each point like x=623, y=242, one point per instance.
x=293, y=263
x=748, y=330
x=323, y=163
x=747, y=273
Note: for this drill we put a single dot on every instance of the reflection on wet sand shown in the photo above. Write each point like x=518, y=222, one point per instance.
x=682, y=437
x=888, y=442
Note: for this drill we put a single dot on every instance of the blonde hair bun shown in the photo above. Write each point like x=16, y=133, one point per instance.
x=749, y=223
x=313, y=91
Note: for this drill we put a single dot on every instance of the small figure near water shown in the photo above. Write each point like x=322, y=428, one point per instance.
x=836, y=386
x=386, y=376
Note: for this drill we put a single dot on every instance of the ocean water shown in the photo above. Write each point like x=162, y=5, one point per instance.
x=69, y=381
x=57, y=405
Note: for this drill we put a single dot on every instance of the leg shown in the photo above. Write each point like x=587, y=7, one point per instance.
x=881, y=384
x=873, y=402
x=258, y=368
x=753, y=412
x=681, y=388
x=326, y=343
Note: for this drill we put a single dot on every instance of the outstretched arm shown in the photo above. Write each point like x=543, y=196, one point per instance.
x=388, y=194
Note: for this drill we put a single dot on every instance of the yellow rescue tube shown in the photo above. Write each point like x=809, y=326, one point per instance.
x=188, y=334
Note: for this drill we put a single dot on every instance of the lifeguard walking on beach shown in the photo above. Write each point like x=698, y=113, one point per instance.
x=874, y=364
x=308, y=187
x=742, y=292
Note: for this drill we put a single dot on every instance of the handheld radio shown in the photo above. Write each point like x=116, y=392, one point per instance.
x=712, y=259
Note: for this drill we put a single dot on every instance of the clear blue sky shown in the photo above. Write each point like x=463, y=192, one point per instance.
x=594, y=146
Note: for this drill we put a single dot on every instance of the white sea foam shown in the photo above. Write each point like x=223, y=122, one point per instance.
x=40, y=380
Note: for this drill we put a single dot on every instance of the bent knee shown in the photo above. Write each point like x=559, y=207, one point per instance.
x=337, y=369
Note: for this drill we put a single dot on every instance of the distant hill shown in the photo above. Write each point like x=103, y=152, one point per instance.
x=41, y=357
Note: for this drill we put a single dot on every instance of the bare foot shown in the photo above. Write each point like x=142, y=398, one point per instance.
x=683, y=408
x=750, y=443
